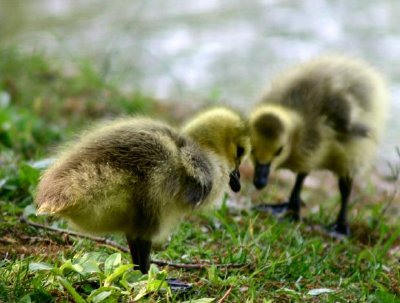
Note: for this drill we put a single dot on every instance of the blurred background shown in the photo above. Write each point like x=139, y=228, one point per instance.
x=211, y=50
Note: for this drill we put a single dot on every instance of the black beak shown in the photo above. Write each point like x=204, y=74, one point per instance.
x=261, y=174
x=234, y=180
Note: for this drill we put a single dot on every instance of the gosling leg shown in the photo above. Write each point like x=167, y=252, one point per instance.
x=295, y=200
x=290, y=209
x=341, y=227
x=140, y=252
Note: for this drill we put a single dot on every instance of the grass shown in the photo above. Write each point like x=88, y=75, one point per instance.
x=43, y=103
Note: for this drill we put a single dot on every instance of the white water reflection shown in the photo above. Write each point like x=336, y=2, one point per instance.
x=195, y=50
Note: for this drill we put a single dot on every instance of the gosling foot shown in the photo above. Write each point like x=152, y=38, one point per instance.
x=338, y=231
x=178, y=286
x=280, y=210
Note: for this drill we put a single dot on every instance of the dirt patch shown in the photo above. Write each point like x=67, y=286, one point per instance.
x=16, y=241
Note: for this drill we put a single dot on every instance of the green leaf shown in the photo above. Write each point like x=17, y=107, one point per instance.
x=29, y=174
x=212, y=274
x=117, y=273
x=26, y=299
x=319, y=291
x=90, y=256
x=142, y=293
x=73, y=267
x=29, y=210
x=3, y=182
x=112, y=262
x=5, y=99
x=156, y=285
x=153, y=271
x=100, y=294
x=40, y=266
x=42, y=164
x=130, y=278
x=89, y=267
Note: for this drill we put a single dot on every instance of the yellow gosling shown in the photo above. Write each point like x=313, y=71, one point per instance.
x=327, y=113
x=140, y=177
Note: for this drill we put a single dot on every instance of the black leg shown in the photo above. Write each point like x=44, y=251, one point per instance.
x=140, y=252
x=341, y=226
x=295, y=200
x=290, y=209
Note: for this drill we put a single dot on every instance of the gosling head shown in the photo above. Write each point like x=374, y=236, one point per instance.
x=271, y=131
x=224, y=132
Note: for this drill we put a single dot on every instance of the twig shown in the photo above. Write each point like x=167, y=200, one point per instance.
x=225, y=295
x=203, y=264
x=77, y=234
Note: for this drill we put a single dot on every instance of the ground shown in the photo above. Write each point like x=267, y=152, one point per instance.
x=246, y=257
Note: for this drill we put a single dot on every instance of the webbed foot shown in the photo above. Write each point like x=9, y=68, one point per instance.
x=280, y=210
x=178, y=286
x=338, y=231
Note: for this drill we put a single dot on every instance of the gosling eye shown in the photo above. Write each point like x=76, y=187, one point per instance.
x=279, y=151
x=239, y=152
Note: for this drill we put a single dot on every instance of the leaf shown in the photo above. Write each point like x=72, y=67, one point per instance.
x=100, y=294
x=40, y=266
x=3, y=182
x=42, y=164
x=92, y=256
x=26, y=299
x=131, y=278
x=29, y=174
x=319, y=291
x=202, y=300
x=4, y=99
x=64, y=282
x=111, y=262
x=212, y=274
x=156, y=285
x=73, y=267
x=153, y=272
x=142, y=293
x=29, y=210
x=90, y=266
x=117, y=273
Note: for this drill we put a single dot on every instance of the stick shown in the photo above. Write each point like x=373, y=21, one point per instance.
x=203, y=264
x=77, y=234
x=225, y=295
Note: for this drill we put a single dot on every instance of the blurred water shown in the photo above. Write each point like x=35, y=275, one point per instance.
x=209, y=49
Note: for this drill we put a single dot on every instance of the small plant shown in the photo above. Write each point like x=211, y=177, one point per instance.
x=93, y=278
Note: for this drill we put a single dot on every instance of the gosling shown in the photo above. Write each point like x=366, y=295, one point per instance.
x=140, y=177
x=327, y=113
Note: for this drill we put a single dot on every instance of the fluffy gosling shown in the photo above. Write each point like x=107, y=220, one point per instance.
x=140, y=177
x=327, y=113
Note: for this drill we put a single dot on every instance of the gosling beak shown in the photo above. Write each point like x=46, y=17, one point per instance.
x=234, y=180
x=261, y=174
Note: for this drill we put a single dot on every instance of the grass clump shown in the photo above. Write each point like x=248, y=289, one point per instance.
x=42, y=103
